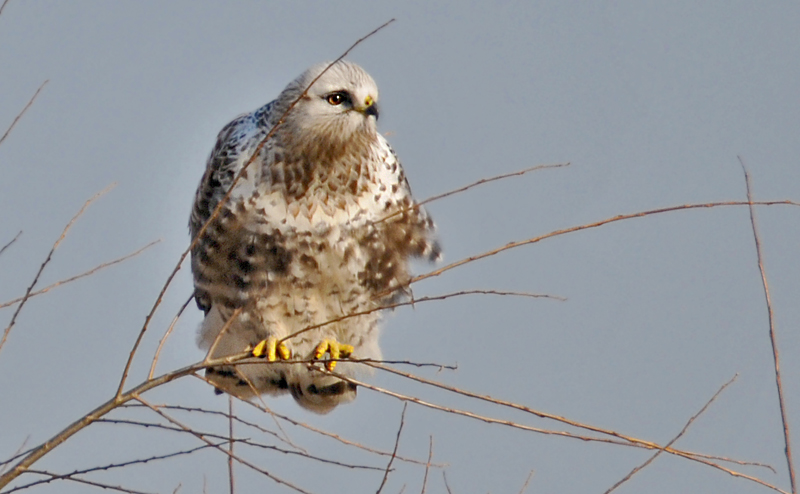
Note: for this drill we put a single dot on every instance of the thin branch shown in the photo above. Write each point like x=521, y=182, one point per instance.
x=674, y=439
x=418, y=301
x=80, y=481
x=166, y=335
x=629, y=441
x=69, y=476
x=446, y=485
x=271, y=476
x=224, y=200
x=3, y=6
x=427, y=465
x=336, y=437
x=46, y=261
x=79, y=276
x=6, y=246
x=231, y=481
x=19, y=452
x=469, y=186
x=558, y=418
x=19, y=115
x=394, y=451
x=773, y=338
x=587, y=226
x=527, y=481
x=243, y=441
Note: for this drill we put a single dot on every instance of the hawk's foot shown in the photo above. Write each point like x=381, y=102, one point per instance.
x=335, y=349
x=272, y=349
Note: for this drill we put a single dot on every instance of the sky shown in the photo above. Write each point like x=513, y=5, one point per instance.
x=652, y=104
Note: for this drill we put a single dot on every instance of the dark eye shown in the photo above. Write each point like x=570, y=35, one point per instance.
x=337, y=98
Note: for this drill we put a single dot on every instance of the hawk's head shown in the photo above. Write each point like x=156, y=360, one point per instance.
x=338, y=113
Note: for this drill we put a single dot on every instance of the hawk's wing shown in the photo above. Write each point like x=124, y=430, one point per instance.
x=235, y=145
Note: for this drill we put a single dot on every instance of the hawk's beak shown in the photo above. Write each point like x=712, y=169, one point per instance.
x=370, y=107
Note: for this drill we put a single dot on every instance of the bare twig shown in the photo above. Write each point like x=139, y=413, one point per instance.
x=469, y=186
x=418, y=301
x=6, y=246
x=773, y=338
x=427, y=465
x=446, y=485
x=16, y=454
x=527, y=481
x=225, y=439
x=79, y=276
x=69, y=476
x=33, y=98
x=242, y=461
x=46, y=261
x=674, y=439
x=78, y=480
x=394, y=451
x=587, y=226
x=231, y=481
x=629, y=441
x=166, y=335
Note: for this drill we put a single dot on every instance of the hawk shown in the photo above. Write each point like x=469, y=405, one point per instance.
x=320, y=225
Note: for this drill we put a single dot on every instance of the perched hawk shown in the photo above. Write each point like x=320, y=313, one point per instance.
x=321, y=225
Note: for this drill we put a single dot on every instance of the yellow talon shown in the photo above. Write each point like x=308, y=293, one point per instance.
x=272, y=350
x=335, y=349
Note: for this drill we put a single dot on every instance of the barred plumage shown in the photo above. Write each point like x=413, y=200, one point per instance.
x=322, y=224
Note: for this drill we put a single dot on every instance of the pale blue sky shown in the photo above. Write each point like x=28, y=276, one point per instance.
x=651, y=102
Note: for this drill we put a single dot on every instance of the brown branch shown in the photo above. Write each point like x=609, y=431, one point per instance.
x=19, y=452
x=212, y=412
x=773, y=338
x=80, y=481
x=226, y=440
x=674, y=439
x=6, y=246
x=231, y=478
x=587, y=226
x=242, y=461
x=427, y=465
x=469, y=186
x=417, y=301
x=166, y=335
x=527, y=481
x=336, y=437
x=19, y=115
x=47, y=261
x=68, y=476
x=444, y=476
x=79, y=276
x=557, y=418
x=631, y=442
x=222, y=203
x=394, y=451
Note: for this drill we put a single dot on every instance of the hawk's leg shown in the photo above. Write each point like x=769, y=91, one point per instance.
x=273, y=349
x=335, y=349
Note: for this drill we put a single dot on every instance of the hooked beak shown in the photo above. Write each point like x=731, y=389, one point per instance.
x=370, y=107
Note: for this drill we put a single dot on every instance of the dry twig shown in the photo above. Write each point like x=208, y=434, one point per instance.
x=47, y=261
x=79, y=276
x=674, y=439
x=6, y=246
x=773, y=338
x=394, y=452
x=33, y=98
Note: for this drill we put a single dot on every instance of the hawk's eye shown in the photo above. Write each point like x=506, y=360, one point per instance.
x=337, y=98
